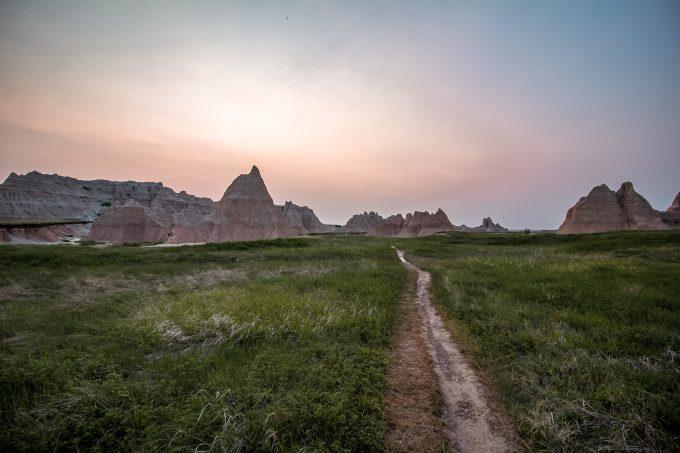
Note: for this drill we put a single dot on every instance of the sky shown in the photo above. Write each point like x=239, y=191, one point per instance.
x=510, y=109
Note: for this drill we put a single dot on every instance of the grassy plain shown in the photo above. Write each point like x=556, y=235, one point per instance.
x=578, y=335
x=283, y=345
x=277, y=345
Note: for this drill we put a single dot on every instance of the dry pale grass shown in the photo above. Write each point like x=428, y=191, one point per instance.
x=413, y=406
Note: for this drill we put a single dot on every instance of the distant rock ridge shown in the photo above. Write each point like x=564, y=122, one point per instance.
x=363, y=223
x=304, y=218
x=413, y=225
x=487, y=226
x=605, y=210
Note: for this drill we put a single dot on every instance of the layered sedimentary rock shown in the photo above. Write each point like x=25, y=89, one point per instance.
x=30, y=234
x=391, y=226
x=363, y=223
x=191, y=226
x=247, y=212
x=48, y=208
x=425, y=224
x=487, y=226
x=148, y=212
x=598, y=211
x=638, y=211
x=303, y=218
x=671, y=216
x=52, y=198
x=416, y=224
x=606, y=210
x=129, y=222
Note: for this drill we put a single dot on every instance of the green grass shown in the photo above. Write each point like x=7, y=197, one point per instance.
x=270, y=345
x=282, y=345
x=579, y=335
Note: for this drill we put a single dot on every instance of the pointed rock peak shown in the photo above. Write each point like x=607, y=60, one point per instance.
x=601, y=188
x=626, y=187
x=676, y=203
x=250, y=186
x=12, y=177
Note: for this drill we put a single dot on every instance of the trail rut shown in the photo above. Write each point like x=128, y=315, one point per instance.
x=474, y=423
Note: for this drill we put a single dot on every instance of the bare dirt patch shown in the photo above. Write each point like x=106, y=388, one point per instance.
x=474, y=422
x=13, y=292
x=413, y=407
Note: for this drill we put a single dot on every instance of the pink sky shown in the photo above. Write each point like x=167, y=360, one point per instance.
x=424, y=108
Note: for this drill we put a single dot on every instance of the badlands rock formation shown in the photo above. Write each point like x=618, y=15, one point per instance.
x=416, y=224
x=487, y=226
x=247, y=212
x=51, y=208
x=148, y=212
x=52, y=198
x=639, y=213
x=364, y=223
x=671, y=216
x=47, y=208
x=304, y=219
x=129, y=222
x=606, y=210
x=425, y=224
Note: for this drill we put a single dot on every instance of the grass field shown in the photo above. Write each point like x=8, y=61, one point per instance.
x=283, y=345
x=277, y=345
x=579, y=335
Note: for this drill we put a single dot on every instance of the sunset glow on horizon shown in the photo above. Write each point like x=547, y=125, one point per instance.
x=505, y=109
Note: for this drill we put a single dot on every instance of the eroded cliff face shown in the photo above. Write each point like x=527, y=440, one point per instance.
x=129, y=222
x=148, y=213
x=37, y=207
x=51, y=208
x=605, y=210
x=245, y=212
x=53, y=198
x=639, y=213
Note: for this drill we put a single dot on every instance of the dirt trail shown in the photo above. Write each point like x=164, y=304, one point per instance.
x=474, y=423
x=414, y=420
